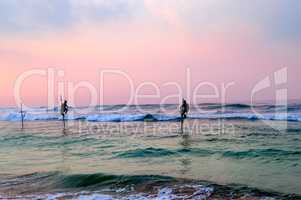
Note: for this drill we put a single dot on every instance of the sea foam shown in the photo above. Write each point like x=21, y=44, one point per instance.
x=155, y=113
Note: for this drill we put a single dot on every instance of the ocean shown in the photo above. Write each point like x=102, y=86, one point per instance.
x=230, y=151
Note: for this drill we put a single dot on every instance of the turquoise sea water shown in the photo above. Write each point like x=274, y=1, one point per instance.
x=214, y=158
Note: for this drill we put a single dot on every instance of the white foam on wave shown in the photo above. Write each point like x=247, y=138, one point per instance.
x=14, y=116
x=250, y=116
x=114, y=117
x=166, y=117
x=165, y=193
x=10, y=115
x=95, y=197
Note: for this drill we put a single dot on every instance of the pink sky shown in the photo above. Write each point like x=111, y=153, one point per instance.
x=155, y=45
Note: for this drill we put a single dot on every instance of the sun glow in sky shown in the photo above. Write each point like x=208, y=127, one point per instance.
x=239, y=41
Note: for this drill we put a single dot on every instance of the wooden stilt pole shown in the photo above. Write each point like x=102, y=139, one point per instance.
x=62, y=112
x=182, y=122
x=22, y=116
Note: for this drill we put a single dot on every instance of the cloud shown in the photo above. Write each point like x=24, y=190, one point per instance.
x=284, y=22
x=100, y=10
x=17, y=16
x=278, y=19
x=33, y=15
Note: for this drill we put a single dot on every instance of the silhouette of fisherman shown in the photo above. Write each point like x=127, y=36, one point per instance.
x=184, y=109
x=64, y=110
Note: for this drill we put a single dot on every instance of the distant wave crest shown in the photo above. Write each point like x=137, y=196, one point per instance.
x=160, y=113
x=13, y=116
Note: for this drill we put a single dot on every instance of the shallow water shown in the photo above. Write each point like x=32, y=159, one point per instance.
x=212, y=158
x=84, y=156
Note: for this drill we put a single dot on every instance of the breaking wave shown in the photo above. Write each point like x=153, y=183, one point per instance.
x=130, y=187
x=129, y=113
x=13, y=116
